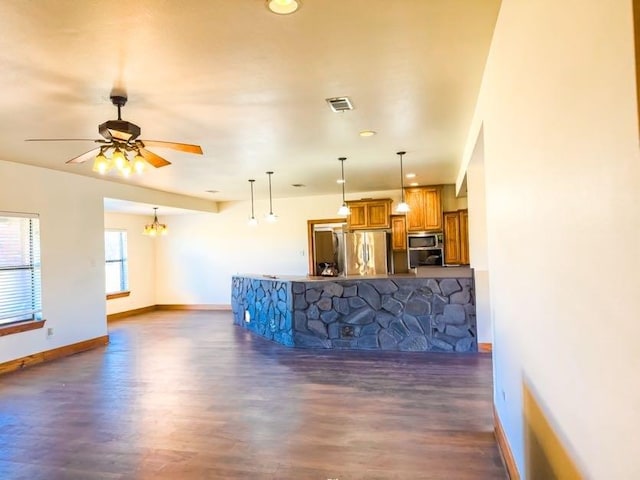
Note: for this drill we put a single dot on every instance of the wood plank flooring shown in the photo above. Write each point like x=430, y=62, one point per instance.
x=187, y=395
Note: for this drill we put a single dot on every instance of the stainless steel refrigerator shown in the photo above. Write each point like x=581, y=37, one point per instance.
x=363, y=253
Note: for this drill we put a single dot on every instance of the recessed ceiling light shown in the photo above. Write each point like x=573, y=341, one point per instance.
x=367, y=133
x=340, y=180
x=411, y=175
x=283, y=7
x=414, y=184
x=298, y=185
x=212, y=191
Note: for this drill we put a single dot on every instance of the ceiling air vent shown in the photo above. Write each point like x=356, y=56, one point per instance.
x=340, y=104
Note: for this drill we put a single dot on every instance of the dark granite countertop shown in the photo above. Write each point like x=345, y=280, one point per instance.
x=422, y=272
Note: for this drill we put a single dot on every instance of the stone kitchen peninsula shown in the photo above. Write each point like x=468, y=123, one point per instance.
x=394, y=312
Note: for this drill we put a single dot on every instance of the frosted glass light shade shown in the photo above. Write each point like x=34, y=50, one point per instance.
x=344, y=210
x=402, y=207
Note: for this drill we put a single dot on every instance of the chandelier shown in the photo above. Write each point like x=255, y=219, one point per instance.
x=156, y=228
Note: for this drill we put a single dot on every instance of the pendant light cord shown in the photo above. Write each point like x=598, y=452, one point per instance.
x=251, y=183
x=401, y=176
x=270, y=200
x=342, y=159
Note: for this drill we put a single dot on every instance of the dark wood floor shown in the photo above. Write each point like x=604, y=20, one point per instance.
x=186, y=395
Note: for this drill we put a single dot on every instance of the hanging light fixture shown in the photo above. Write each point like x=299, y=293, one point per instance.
x=402, y=207
x=156, y=228
x=271, y=217
x=252, y=220
x=119, y=158
x=283, y=7
x=344, y=209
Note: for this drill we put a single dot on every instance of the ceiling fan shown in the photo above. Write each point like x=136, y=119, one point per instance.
x=121, y=148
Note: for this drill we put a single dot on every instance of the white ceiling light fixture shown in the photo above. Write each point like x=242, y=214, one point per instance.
x=367, y=133
x=283, y=7
x=156, y=228
x=252, y=220
x=344, y=209
x=402, y=207
x=271, y=217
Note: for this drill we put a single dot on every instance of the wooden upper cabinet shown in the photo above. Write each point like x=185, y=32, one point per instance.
x=369, y=214
x=358, y=216
x=456, y=237
x=464, y=236
x=398, y=233
x=451, y=237
x=425, y=204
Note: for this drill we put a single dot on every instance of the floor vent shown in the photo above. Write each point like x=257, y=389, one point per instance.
x=340, y=104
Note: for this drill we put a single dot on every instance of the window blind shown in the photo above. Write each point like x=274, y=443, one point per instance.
x=20, y=278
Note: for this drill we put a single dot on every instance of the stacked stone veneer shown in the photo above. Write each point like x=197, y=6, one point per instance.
x=408, y=314
x=268, y=303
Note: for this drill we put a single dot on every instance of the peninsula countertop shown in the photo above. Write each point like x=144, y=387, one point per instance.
x=422, y=272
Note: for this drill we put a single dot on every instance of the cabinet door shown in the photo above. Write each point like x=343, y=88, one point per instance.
x=398, y=233
x=464, y=236
x=432, y=209
x=451, y=237
x=358, y=216
x=416, y=215
x=378, y=214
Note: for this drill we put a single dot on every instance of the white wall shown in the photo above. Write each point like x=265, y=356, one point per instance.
x=141, y=261
x=478, y=240
x=196, y=260
x=72, y=255
x=72, y=248
x=558, y=109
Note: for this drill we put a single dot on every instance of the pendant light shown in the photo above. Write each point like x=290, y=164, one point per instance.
x=402, y=207
x=271, y=217
x=344, y=209
x=156, y=228
x=252, y=220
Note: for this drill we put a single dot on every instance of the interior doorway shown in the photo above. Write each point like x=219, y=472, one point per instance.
x=320, y=241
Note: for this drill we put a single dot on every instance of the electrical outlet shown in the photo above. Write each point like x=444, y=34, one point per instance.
x=50, y=332
x=504, y=396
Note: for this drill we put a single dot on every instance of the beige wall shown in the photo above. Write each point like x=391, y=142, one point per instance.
x=141, y=260
x=451, y=202
x=562, y=168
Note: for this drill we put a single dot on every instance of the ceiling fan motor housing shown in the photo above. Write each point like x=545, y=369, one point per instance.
x=119, y=129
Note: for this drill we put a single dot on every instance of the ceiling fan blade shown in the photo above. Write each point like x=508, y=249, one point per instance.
x=153, y=159
x=64, y=140
x=85, y=156
x=182, y=147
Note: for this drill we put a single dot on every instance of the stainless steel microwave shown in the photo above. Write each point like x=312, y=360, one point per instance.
x=424, y=240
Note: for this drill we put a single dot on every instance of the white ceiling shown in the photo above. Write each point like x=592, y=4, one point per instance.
x=249, y=86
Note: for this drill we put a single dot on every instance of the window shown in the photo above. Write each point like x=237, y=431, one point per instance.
x=20, y=284
x=115, y=246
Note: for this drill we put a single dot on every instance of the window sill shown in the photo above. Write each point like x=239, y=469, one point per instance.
x=111, y=296
x=19, y=327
